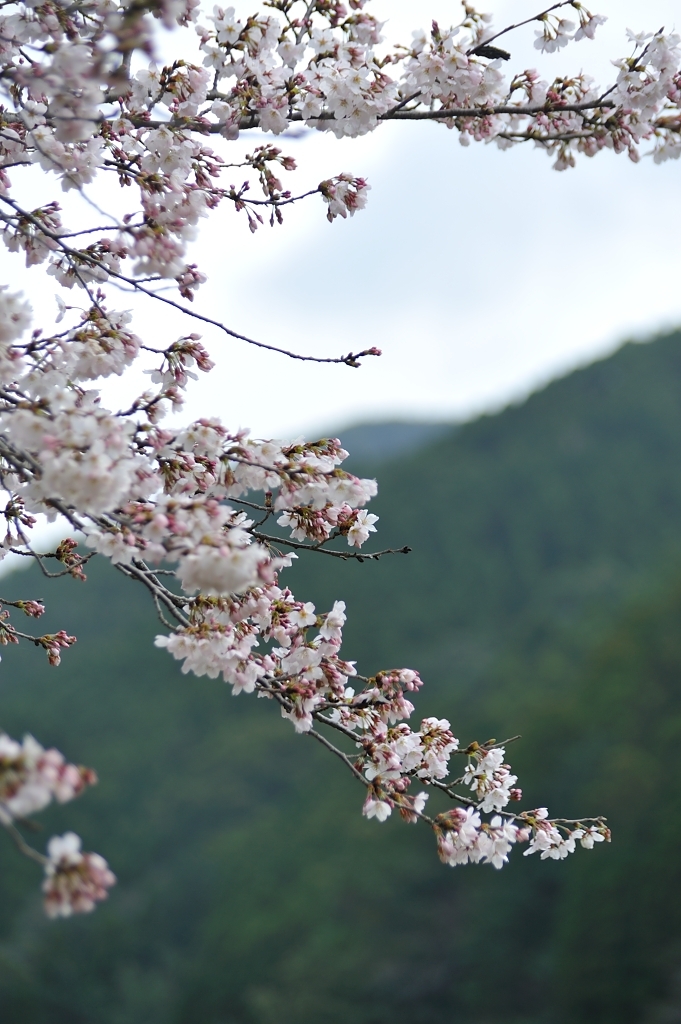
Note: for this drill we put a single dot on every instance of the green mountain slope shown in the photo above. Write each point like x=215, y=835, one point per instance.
x=540, y=597
x=619, y=937
x=378, y=443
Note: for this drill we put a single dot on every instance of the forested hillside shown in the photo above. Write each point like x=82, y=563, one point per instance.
x=542, y=596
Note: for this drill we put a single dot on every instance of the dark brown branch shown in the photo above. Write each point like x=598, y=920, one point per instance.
x=396, y=114
x=345, y=555
x=528, y=111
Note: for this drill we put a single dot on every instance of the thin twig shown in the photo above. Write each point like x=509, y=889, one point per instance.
x=519, y=24
x=345, y=555
x=351, y=359
x=21, y=844
x=339, y=753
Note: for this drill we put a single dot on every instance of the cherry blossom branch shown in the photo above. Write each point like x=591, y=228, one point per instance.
x=38, y=556
x=480, y=112
x=341, y=755
x=351, y=359
x=522, y=818
x=397, y=113
x=520, y=24
x=142, y=493
x=367, y=556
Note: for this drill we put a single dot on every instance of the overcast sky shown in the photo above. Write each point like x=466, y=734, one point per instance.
x=479, y=273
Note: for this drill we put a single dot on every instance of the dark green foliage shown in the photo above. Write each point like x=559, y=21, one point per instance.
x=541, y=597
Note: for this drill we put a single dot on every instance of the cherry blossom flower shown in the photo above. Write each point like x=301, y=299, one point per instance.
x=375, y=808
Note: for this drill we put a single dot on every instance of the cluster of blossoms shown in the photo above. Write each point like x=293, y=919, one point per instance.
x=74, y=881
x=30, y=779
x=208, y=519
x=464, y=838
x=555, y=843
x=491, y=780
x=309, y=523
x=556, y=32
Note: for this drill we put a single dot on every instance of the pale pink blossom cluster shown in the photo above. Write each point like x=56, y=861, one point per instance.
x=206, y=518
x=463, y=837
x=556, y=843
x=466, y=839
x=556, y=31
x=491, y=779
x=344, y=195
x=31, y=777
x=74, y=881
x=308, y=523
